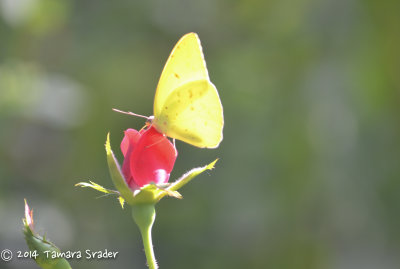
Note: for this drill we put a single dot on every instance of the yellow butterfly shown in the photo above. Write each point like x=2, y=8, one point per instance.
x=186, y=105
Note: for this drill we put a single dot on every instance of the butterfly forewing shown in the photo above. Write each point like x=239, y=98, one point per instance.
x=185, y=64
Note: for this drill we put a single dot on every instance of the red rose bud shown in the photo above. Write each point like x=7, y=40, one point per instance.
x=148, y=157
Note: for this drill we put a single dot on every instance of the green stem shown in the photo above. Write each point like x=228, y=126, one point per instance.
x=144, y=216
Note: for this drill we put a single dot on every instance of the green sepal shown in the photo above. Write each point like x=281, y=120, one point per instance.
x=116, y=174
x=153, y=193
x=148, y=194
x=121, y=201
x=183, y=180
x=38, y=245
x=95, y=186
x=100, y=188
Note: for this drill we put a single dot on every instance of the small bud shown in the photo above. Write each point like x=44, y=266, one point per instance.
x=40, y=247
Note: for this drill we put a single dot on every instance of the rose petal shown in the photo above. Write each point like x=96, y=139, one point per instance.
x=130, y=139
x=127, y=145
x=28, y=216
x=152, y=158
x=160, y=176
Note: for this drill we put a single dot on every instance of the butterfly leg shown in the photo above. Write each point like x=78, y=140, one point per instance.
x=176, y=151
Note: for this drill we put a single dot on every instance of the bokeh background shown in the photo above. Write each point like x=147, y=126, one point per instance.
x=308, y=175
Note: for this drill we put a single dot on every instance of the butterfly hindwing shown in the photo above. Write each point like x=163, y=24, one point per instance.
x=193, y=114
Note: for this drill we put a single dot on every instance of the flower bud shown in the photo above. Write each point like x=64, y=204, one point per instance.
x=41, y=249
x=149, y=157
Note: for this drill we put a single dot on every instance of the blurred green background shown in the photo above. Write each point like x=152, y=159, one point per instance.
x=309, y=167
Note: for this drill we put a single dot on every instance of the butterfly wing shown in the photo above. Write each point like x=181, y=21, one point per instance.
x=185, y=64
x=193, y=114
x=186, y=101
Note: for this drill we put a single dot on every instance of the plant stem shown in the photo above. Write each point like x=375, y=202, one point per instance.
x=144, y=216
x=148, y=249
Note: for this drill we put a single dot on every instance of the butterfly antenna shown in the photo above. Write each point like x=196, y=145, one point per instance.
x=131, y=113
